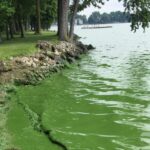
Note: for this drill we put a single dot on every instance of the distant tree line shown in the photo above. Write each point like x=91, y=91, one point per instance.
x=97, y=18
x=82, y=18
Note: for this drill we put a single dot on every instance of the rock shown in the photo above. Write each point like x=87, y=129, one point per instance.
x=57, y=53
x=51, y=55
x=63, y=56
x=22, y=60
x=44, y=64
x=46, y=58
x=11, y=58
x=8, y=67
x=57, y=59
x=90, y=47
x=2, y=102
x=70, y=59
x=35, y=60
x=27, y=61
x=82, y=47
x=76, y=37
x=70, y=54
x=53, y=48
x=2, y=67
x=37, y=55
x=43, y=45
x=50, y=58
x=63, y=50
x=41, y=57
x=34, y=65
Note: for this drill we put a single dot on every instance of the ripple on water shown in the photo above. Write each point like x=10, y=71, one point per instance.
x=104, y=103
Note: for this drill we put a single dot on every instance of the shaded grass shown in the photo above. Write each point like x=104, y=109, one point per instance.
x=24, y=46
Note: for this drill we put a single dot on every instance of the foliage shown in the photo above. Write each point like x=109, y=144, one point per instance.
x=82, y=17
x=48, y=13
x=86, y=3
x=140, y=12
x=17, y=16
x=113, y=17
x=95, y=18
x=6, y=11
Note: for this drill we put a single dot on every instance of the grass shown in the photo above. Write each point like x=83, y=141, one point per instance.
x=24, y=46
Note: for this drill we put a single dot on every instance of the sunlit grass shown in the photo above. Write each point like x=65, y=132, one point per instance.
x=24, y=46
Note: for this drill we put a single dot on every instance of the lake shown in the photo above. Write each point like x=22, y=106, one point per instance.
x=102, y=102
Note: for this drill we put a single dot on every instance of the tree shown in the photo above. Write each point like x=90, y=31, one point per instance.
x=63, y=7
x=83, y=18
x=94, y=18
x=140, y=13
x=113, y=17
x=138, y=9
x=38, y=17
x=48, y=13
x=73, y=16
x=20, y=19
x=22, y=13
x=78, y=6
x=6, y=12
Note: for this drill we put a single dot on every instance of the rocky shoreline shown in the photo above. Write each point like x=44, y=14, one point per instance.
x=50, y=58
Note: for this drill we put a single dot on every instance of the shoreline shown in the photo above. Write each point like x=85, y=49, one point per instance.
x=30, y=70
x=50, y=58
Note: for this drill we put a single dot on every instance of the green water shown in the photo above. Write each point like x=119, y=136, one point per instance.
x=101, y=103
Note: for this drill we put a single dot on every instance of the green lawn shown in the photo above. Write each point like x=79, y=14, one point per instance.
x=24, y=46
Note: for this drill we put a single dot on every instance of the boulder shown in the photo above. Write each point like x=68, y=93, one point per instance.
x=82, y=47
x=57, y=53
x=35, y=60
x=53, y=48
x=90, y=47
x=2, y=66
x=43, y=45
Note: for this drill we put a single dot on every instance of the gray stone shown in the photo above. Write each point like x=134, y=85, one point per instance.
x=2, y=66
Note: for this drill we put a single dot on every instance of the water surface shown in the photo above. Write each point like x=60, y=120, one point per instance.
x=101, y=103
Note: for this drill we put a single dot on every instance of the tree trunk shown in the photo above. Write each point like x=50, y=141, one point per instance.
x=73, y=15
x=14, y=26
x=0, y=37
x=20, y=20
x=17, y=29
x=58, y=17
x=11, y=29
x=21, y=26
x=26, y=24
x=38, y=17
x=63, y=20
x=7, y=32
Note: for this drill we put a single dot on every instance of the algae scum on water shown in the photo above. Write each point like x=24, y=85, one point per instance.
x=102, y=102
x=80, y=110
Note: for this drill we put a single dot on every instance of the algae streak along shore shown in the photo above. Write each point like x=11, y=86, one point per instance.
x=21, y=71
